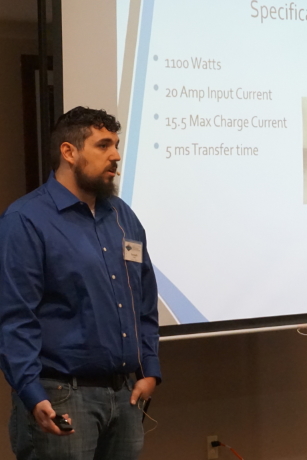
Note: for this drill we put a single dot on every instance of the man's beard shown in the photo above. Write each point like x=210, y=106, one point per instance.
x=95, y=186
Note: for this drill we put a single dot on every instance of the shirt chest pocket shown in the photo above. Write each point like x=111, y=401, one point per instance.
x=135, y=275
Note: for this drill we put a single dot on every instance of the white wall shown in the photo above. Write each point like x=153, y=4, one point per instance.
x=89, y=54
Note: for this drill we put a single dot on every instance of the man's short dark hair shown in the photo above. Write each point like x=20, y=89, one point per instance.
x=75, y=126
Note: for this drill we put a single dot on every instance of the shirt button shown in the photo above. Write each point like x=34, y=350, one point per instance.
x=105, y=249
x=120, y=305
x=113, y=277
x=124, y=334
x=124, y=364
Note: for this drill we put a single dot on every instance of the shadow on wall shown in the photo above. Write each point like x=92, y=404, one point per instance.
x=250, y=390
x=5, y=404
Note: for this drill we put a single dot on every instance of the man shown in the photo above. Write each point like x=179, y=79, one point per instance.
x=78, y=304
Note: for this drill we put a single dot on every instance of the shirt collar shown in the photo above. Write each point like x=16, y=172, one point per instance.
x=63, y=198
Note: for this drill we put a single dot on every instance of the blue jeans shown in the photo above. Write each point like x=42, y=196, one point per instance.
x=107, y=426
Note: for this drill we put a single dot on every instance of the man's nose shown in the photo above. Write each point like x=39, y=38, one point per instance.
x=115, y=155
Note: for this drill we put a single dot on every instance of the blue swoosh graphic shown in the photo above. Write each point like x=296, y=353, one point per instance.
x=137, y=103
x=180, y=305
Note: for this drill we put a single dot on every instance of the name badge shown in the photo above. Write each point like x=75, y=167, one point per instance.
x=133, y=250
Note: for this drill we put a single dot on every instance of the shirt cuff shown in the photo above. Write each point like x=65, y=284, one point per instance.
x=32, y=394
x=151, y=368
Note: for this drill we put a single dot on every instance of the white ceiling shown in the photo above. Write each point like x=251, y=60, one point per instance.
x=22, y=10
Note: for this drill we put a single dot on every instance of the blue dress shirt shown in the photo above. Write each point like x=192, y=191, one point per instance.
x=68, y=299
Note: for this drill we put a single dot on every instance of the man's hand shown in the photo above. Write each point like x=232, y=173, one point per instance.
x=44, y=414
x=143, y=389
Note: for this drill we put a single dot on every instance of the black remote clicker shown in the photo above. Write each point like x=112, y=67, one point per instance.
x=62, y=423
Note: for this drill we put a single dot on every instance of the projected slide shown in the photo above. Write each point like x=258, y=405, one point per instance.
x=213, y=95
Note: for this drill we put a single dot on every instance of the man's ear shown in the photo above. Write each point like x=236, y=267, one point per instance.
x=69, y=152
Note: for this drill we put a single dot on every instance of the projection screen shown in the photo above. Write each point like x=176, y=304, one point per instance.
x=212, y=97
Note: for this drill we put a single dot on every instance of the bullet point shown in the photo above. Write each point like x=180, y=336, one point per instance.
x=156, y=146
x=156, y=116
x=155, y=57
x=156, y=87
